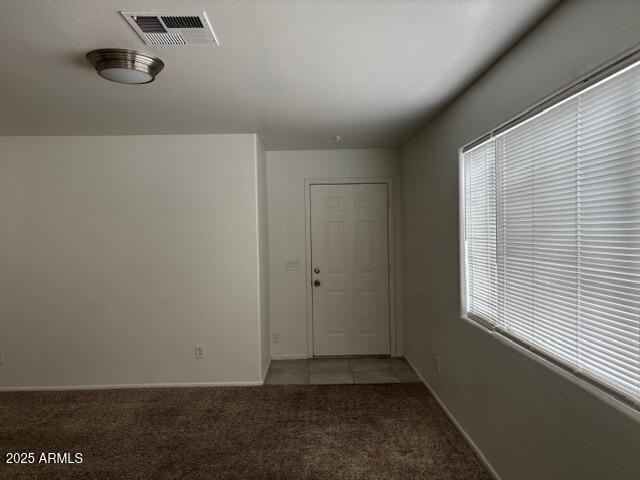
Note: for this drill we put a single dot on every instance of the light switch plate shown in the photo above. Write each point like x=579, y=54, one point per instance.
x=293, y=265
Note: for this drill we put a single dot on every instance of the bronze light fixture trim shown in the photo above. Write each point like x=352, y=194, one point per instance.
x=125, y=66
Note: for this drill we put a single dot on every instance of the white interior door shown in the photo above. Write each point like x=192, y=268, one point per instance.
x=350, y=269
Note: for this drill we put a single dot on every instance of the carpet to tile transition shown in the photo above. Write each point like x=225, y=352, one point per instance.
x=393, y=431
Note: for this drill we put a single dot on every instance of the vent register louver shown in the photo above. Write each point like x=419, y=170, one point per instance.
x=158, y=29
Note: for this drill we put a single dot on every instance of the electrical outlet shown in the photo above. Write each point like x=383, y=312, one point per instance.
x=200, y=352
x=276, y=338
x=438, y=365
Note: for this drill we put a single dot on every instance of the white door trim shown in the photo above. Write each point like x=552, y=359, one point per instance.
x=393, y=329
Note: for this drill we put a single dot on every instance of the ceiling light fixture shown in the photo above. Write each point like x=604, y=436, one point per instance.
x=125, y=66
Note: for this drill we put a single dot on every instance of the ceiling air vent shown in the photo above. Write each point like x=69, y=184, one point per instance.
x=166, y=29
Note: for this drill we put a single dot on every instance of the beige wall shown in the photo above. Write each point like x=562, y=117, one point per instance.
x=263, y=255
x=530, y=421
x=119, y=254
x=286, y=174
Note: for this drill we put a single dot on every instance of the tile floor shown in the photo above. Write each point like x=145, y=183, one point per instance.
x=324, y=371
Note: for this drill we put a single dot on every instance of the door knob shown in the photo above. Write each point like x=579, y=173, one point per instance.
x=316, y=283
x=316, y=270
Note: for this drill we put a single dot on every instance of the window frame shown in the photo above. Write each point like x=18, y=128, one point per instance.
x=596, y=386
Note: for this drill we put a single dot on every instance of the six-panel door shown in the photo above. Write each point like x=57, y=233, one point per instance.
x=349, y=252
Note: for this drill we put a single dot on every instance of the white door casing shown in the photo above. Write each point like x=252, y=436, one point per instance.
x=349, y=247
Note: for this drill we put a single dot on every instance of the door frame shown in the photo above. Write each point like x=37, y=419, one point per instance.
x=391, y=252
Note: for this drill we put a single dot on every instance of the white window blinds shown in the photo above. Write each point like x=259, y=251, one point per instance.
x=552, y=232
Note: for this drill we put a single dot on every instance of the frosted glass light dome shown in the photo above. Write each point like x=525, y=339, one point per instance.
x=124, y=75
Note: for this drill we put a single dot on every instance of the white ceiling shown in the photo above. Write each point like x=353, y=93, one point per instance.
x=297, y=72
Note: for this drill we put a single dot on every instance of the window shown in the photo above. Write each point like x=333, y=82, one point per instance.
x=551, y=220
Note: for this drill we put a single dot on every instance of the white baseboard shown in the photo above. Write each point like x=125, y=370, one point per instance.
x=293, y=356
x=466, y=436
x=130, y=385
